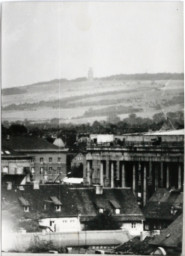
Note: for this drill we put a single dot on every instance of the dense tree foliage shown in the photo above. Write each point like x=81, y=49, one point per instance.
x=113, y=125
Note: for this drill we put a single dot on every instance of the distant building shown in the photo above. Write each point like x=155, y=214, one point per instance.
x=90, y=74
x=49, y=161
x=70, y=208
x=141, y=162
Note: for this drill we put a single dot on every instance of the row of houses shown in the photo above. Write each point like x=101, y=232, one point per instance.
x=139, y=182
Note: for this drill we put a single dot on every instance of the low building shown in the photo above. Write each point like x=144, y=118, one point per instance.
x=49, y=161
x=65, y=208
x=162, y=209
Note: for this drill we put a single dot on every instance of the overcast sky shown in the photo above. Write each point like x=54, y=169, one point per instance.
x=47, y=40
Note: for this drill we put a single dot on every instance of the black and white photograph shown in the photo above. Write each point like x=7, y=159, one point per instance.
x=92, y=127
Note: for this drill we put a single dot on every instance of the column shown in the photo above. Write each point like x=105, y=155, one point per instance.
x=134, y=179
x=150, y=174
x=88, y=172
x=167, y=177
x=144, y=186
x=156, y=178
x=161, y=176
x=179, y=177
x=118, y=170
x=101, y=173
x=107, y=178
x=123, y=184
x=112, y=175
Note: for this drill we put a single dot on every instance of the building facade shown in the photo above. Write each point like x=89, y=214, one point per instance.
x=143, y=163
x=48, y=161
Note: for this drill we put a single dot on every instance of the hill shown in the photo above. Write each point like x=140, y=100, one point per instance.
x=80, y=100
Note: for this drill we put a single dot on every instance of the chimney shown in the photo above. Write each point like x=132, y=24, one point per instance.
x=99, y=190
x=9, y=185
x=36, y=184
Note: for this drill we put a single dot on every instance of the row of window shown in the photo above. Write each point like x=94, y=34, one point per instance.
x=50, y=169
x=50, y=159
x=116, y=211
x=57, y=208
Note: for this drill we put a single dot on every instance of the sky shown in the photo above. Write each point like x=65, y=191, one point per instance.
x=42, y=41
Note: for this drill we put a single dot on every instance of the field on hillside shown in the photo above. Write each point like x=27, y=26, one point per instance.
x=85, y=101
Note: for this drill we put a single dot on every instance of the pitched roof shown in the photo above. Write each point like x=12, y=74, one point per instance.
x=171, y=236
x=23, y=201
x=75, y=200
x=28, y=143
x=55, y=200
x=160, y=204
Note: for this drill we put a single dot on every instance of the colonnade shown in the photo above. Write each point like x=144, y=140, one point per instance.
x=141, y=178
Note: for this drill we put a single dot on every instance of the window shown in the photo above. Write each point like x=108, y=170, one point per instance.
x=32, y=170
x=50, y=169
x=41, y=160
x=117, y=211
x=59, y=159
x=146, y=227
x=26, y=208
x=133, y=224
x=41, y=170
x=5, y=169
x=50, y=159
x=58, y=169
x=57, y=208
x=100, y=210
x=45, y=207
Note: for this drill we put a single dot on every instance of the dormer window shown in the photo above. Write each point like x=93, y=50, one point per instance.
x=57, y=203
x=117, y=211
x=26, y=208
x=25, y=204
x=173, y=210
x=58, y=208
x=100, y=210
x=116, y=206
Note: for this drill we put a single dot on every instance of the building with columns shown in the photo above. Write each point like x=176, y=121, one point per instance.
x=142, y=162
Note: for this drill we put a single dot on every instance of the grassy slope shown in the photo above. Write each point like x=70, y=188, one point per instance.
x=88, y=101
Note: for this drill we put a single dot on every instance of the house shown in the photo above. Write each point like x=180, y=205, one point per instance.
x=65, y=208
x=169, y=242
x=162, y=209
x=49, y=161
x=15, y=167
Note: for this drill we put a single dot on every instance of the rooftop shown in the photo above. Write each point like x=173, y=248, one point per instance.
x=162, y=203
x=74, y=201
x=29, y=143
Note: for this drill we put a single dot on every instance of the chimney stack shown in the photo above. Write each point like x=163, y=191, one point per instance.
x=99, y=189
x=36, y=184
x=9, y=185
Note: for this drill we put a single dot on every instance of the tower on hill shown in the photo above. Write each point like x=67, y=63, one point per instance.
x=90, y=74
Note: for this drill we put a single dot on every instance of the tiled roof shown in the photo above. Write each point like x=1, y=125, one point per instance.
x=75, y=201
x=9, y=153
x=160, y=204
x=171, y=236
x=28, y=143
